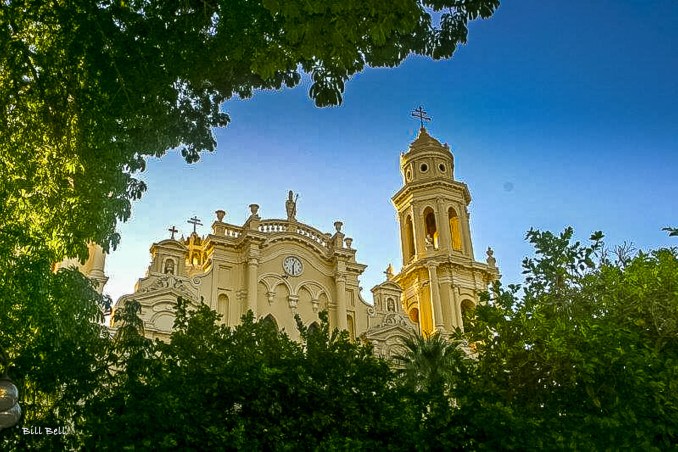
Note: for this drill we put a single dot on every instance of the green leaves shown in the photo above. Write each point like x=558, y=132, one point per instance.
x=673, y=232
x=90, y=90
x=588, y=351
x=250, y=387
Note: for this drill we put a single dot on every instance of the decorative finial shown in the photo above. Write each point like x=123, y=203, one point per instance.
x=254, y=209
x=338, y=225
x=220, y=214
x=173, y=230
x=491, y=261
x=389, y=272
x=195, y=222
x=421, y=114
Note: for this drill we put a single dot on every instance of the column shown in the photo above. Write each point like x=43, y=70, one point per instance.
x=98, y=261
x=443, y=227
x=457, y=308
x=402, y=219
x=435, y=299
x=342, y=324
x=447, y=301
x=466, y=231
x=252, y=265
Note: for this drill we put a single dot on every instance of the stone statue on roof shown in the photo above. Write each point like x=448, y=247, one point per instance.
x=291, y=206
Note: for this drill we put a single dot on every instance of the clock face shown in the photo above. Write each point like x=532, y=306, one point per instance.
x=292, y=266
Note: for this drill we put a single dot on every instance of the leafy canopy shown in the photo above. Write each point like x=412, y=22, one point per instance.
x=586, y=357
x=246, y=388
x=89, y=90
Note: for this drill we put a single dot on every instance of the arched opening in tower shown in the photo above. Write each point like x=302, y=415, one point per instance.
x=430, y=227
x=409, y=239
x=467, y=312
x=455, y=229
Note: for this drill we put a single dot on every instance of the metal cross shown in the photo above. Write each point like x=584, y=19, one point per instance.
x=173, y=230
x=421, y=114
x=195, y=222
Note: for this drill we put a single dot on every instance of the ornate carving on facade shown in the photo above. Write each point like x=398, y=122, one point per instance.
x=293, y=300
x=169, y=281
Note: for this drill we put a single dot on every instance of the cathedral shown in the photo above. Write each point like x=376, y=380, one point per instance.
x=278, y=268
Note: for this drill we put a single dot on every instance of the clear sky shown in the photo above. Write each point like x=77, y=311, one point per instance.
x=558, y=113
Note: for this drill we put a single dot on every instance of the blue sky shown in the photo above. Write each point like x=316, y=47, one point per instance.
x=558, y=114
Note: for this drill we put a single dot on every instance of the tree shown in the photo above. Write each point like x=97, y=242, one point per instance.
x=673, y=232
x=247, y=388
x=430, y=367
x=429, y=363
x=50, y=332
x=584, y=358
x=89, y=90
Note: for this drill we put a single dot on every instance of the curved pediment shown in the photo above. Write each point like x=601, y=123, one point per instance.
x=391, y=285
x=388, y=339
x=170, y=244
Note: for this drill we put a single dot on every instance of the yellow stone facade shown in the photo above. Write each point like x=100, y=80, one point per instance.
x=281, y=267
x=440, y=278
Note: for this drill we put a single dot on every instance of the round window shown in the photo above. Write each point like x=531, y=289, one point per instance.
x=423, y=167
x=408, y=175
x=442, y=167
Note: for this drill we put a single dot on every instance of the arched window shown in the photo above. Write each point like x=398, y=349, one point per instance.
x=222, y=307
x=430, y=227
x=195, y=259
x=414, y=315
x=269, y=321
x=467, y=312
x=351, y=327
x=409, y=240
x=313, y=328
x=455, y=229
x=169, y=267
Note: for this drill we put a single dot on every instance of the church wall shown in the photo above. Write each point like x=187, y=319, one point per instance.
x=293, y=294
x=236, y=268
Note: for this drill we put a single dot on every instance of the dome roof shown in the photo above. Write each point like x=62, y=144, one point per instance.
x=425, y=142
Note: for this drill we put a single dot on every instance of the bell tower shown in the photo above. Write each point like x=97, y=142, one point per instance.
x=440, y=278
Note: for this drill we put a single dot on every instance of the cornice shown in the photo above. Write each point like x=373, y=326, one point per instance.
x=408, y=189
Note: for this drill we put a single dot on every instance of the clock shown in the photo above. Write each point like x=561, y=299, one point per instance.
x=292, y=266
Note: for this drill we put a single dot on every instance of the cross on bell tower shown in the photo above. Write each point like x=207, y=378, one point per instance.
x=421, y=114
